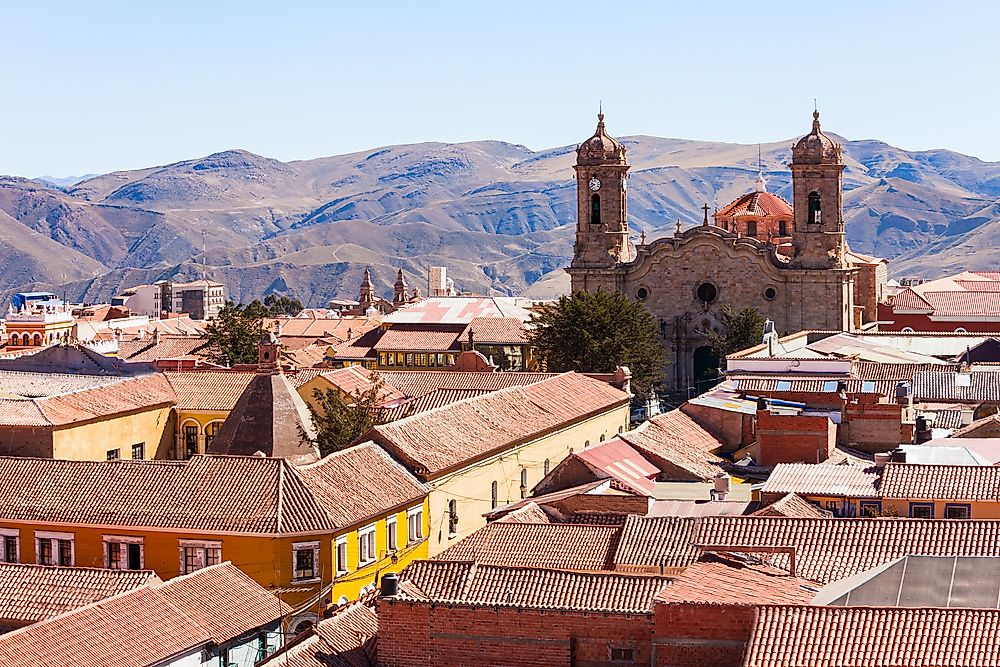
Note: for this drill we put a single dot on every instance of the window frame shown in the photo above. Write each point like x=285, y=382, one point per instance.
x=312, y=548
x=366, y=543
x=55, y=541
x=414, y=536
x=141, y=449
x=10, y=534
x=338, y=542
x=114, y=454
x=205, y=548
x=869, y=504
x=391, y=534
x=919, y=506
x=963, y=506
x=118, y=540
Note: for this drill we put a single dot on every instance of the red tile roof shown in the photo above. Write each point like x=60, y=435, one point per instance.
x=435, y=441
x=807, y=636
x=31, y=593
x=206, y=494
x=675, y=438
x=830, y=549
x=911, y=481
x=820, y=479
x=402, y=338
x=435, y=399
x=209, y=390
x=355, y=380
x=347, y=639
x=149, y=624
x=736, y=580
x=418, y=383
x=760, y=204
x=561, y=546
x=496, y=330
x=649, y=544
x=456, y=582
x=530, y=512
x=359, y=483
x=792, y=505
x=340, y=328
x=167, y=347
x=622, y=463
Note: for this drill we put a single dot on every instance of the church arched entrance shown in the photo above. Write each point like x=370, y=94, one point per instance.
x=706, y=368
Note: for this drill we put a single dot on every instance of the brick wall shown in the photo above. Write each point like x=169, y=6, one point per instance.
x=794, y=438
x=876, y=428
x=700, y=635
x=724, y=425
x=423, y=634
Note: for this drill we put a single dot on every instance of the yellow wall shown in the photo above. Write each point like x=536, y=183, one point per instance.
x=471, y=486
x=199, y=418
x=91, y=441
x=266, y=559
x=350, y=584
x=978, y=510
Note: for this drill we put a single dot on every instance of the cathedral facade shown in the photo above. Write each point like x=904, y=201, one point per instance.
x=790, y=263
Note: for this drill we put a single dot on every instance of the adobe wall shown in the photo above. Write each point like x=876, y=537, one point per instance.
x=724, y=425
x=700, y=635
x=876, y=428
x=422, y=634
x=794, y=438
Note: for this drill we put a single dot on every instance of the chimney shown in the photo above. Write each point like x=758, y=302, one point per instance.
x=881, y=458
x=623, y=379
x=390, y=585
x=923, y=430
x=723, y=483
x=898, y=455
x=965, y=417
x=156, y=336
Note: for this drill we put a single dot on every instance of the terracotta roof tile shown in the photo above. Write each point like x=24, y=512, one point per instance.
x=418, y=383
x=649, y=543
x=941, y=482
x=791, y=505
x=209, y=390
x=830, y=549
x=150, y=624
x=943, y=386
x=30, y=593
x=812, y=479
x=490, y=585
x=734, y=580
x=870, y=370
x=168, y=347
x=359, y=347
x=561, y=546
x=403, y=338
x=359, y=483
x=676, y=439
x=435, y=399
x=807, y=636
x=340, y=328
x=347, y=639
x=434, y=441
x=207, y=493
x=625, y=465
x=496, y=330
x=530, y=512
x=759, y=204
x=355, y=380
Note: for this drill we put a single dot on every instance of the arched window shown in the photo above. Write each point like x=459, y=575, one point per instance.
x=545, y=467
x=15, y=339
x=782, y=228
x=907, y=330
x=602, y=437
x=38, y=339
x=752, y=228
x=211, y=431
x=493, y=495
x=961, y=330
x=524, y=483
x=595, y=209
x=814, y=209
x=452, y=517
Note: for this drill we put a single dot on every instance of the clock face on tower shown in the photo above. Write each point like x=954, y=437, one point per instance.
x=595, y=184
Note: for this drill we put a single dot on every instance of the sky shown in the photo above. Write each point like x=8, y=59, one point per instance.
x=97, y=86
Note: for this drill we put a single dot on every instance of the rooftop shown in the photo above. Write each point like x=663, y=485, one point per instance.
x=736, y=580
x=459, y=310
x=217, y=391
x=811, y=479
x=347, y=639
x=677, y=445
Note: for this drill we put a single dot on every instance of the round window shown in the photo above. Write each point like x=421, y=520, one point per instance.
x=707, y=293
x=642, y=293
x=770, y=294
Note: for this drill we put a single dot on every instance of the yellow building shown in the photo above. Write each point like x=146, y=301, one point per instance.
x=68, y=402
x=204, y=400
x=283, y=526
x=482, y=452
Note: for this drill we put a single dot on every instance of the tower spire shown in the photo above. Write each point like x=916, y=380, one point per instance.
x=760, y=185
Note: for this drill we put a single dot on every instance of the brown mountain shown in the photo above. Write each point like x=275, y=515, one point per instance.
x=500, y=216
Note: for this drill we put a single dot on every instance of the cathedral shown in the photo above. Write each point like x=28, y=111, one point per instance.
x=790, y=263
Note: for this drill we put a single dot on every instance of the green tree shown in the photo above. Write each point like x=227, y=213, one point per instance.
x=234, y=334
x=282, y=305
x=341, y=418
x=741, y=329
x=595, y=332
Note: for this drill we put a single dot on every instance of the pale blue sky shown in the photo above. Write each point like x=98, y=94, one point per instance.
x=97, y=86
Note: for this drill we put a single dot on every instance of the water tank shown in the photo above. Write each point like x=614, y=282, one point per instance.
x=723, y=483
x=390, y=585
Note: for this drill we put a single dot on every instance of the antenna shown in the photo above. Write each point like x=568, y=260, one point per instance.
x=760, y=168
x=815, y=105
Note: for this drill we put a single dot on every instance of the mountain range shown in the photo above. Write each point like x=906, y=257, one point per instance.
x=500, y=216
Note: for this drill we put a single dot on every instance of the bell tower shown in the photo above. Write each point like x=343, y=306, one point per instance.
x=601, y=210
x=817, y=188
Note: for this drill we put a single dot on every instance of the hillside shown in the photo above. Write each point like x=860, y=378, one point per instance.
x=498, y=215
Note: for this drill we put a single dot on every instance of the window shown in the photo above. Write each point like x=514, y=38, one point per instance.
x=211, y=431
x=415, y=524
x=961, y=330
x=54, y=548
x=123, y=552
x=586, y=443
x=453, y=517
x=707, y=293
x=114, y=454
x=305, y=559
x=190, y=440
x=15, y=339
x=602, y=437
x=10, y=545
x=139, y=450
x=782, y=228
x=619, y=654
x=595, y=209
x=546, y=464
x=524, y=483
x=341, y=547
x=196, y=554
x=390, y=533
x=829, y=386
x=906, y=330
x=870, y=507
x=868, y=387
x=366, y=545
x=642, y=293
x=770, y=294
x=752, y=228
x=957, y=511
x=921, y=510
x=783, y=385
x=494, y=493
x=815, y=217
